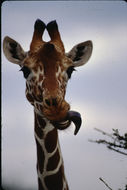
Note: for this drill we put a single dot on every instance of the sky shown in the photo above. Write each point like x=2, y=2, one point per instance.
x=98, y=90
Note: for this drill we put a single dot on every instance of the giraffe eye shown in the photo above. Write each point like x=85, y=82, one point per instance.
x=26, y=71
x=70, y=71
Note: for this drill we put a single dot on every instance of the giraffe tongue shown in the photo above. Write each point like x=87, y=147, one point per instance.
x=72, y=116
x=75, y=117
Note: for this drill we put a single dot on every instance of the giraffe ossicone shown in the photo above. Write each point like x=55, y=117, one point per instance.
x=47, y=69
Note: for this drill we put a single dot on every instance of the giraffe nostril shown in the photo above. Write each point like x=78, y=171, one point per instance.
x=47, y=101
x=54, y=102
x=51, y=102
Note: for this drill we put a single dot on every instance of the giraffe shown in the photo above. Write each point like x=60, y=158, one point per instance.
x=47, y=69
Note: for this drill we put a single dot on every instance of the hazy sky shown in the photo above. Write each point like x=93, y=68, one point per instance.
x=97, y=90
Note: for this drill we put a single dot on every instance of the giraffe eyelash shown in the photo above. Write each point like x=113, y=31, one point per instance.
x=26, y=71
x=70, y=71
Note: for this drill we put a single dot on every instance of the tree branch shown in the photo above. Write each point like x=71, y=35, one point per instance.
x=117, y=150
x=105, y=183
x=118, y=141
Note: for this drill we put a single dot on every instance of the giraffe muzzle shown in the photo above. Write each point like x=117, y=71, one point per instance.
x=55, y=110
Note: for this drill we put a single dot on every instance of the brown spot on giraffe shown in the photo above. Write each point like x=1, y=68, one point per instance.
x=29, y=97
x=53, y=161
x=41, y=121
x=50, y=181
x=38, y=126
x=51, y=141
x=40, y=77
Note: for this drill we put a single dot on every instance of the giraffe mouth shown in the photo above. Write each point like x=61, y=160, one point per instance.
x=72, y=116
x=61, y=116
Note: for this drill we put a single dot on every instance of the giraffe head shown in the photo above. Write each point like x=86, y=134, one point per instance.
x=47, y=69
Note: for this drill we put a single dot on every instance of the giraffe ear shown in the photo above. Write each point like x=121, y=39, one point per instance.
x=13, y=51
x=80, y=53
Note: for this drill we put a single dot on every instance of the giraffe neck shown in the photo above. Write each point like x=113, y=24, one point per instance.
x=50, y=168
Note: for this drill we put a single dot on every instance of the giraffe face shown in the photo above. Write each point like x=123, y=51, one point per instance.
x=47, y=72
x=47, y=69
